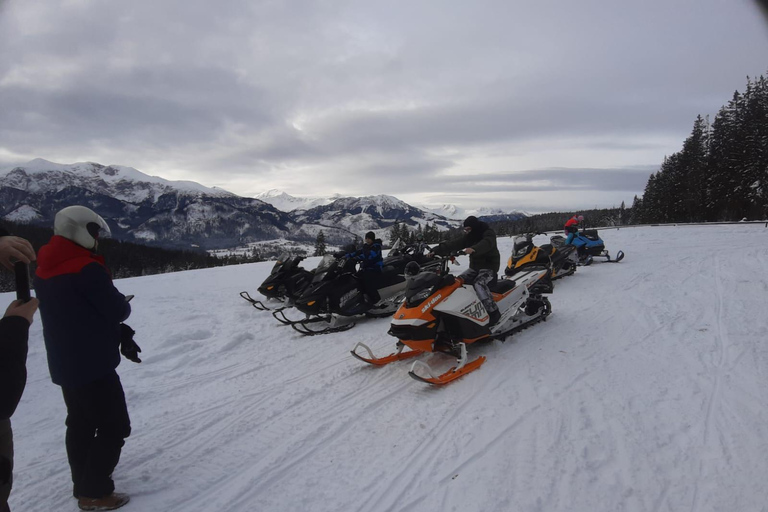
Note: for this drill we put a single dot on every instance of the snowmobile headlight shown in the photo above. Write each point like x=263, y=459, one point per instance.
x=418, y=297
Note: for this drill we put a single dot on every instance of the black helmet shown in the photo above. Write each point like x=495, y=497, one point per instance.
x=412, y=269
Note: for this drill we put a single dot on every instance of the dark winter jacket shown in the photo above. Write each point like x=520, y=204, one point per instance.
x=370, y=255
x=14, y=335
x=14, y=332
x=81, y=311
x=483, y=240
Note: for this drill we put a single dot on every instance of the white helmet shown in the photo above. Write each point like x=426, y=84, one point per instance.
x=81, y=225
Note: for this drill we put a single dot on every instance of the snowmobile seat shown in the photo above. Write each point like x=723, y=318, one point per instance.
x=546, y=248
x=502, y=286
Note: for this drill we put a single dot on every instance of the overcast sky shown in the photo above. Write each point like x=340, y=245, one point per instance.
x=545, y=105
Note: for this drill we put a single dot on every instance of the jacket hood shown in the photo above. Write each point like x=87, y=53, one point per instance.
x=63, y=256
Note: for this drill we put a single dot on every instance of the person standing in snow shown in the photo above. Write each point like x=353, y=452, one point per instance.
x=14, y=333
x=479, y=241
x=82, y=314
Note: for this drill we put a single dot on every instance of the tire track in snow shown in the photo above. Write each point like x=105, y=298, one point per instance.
x=712, y=403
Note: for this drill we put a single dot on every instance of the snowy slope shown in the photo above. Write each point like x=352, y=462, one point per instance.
x=288, y=203
x=644, y=391
x=121, y=182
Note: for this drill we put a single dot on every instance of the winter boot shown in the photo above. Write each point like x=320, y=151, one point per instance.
x=110, y=502
x=495, y=316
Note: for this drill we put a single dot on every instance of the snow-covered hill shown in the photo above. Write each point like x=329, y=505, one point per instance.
x=119, y=182
x=288, y=203
x=139, y=207
x=451, y=211
x=360, y=214
x=644, y=391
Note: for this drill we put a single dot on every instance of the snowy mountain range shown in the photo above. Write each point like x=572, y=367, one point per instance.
x=288, y=203
x=181, y=214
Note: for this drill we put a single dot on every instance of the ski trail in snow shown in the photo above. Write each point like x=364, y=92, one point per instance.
x=714, y=396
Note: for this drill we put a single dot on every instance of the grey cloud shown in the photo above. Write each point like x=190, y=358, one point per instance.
x=392, y=95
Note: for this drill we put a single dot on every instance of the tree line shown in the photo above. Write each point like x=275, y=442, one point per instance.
x=721, y=172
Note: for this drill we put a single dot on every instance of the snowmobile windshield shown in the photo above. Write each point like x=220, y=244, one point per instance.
x=420, y=287
x=521, y=244
x=325, y=264
x=396, y=248
x=285, y=257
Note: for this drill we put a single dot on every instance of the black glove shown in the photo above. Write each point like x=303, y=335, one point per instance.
x=128, y=347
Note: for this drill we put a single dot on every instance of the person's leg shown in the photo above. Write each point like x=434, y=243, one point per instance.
x=104, y=411
x=483, y=279
x=6, y=463
x=81, y=430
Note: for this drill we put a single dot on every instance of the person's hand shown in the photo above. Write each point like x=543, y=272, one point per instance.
x=128, y=347
x=25, y=310
x=469, y=250
x=13, y=249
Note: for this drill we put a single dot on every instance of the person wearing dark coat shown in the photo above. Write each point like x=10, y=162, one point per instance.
x=82, y=314
x=479, y=241
x=14, y=333
x=371, y=263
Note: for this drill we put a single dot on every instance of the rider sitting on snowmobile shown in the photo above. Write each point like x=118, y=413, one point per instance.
x=479, y=242
x=572, y=229
x=371, y=264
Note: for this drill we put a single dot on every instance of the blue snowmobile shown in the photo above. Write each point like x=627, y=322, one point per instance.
x=589, y=245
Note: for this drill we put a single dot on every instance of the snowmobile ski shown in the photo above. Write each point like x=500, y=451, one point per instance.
x=255, y=303
x=461, y=369
x=303, y=327
x=398, y=355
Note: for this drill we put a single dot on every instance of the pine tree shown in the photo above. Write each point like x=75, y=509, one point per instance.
x=320, y=244
x=394, y=232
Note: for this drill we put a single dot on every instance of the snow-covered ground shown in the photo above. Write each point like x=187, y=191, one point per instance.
x=644, y=391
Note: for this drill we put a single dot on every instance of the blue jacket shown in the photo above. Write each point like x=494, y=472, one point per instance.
x=81, y=311
x=370, y=255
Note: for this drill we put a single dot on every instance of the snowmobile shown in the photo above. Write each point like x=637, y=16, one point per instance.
x=589, y=245
x=525, y=255
x=442, y=313
x=336, y=294
x=285, y=282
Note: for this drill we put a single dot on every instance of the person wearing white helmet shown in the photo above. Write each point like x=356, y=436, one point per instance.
x=82, y=314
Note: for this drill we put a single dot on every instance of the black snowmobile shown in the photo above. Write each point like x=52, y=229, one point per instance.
x=336, y=292
x=285, y=283
x=526, y=256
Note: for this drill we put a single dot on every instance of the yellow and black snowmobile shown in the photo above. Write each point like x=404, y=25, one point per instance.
x=526, y=256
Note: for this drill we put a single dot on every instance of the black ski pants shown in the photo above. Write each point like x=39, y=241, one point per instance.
x=97, y=425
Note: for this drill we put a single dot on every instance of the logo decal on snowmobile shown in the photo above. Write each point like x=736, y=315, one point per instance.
x=474, y=310
x=347, y=296
x=432, y=302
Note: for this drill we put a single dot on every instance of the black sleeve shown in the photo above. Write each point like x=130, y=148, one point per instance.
x=98, y=288
x=14, y=335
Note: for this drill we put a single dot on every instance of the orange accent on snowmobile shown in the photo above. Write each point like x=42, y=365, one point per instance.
x=391, y=358
x=451, y=374
x=420, y=345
